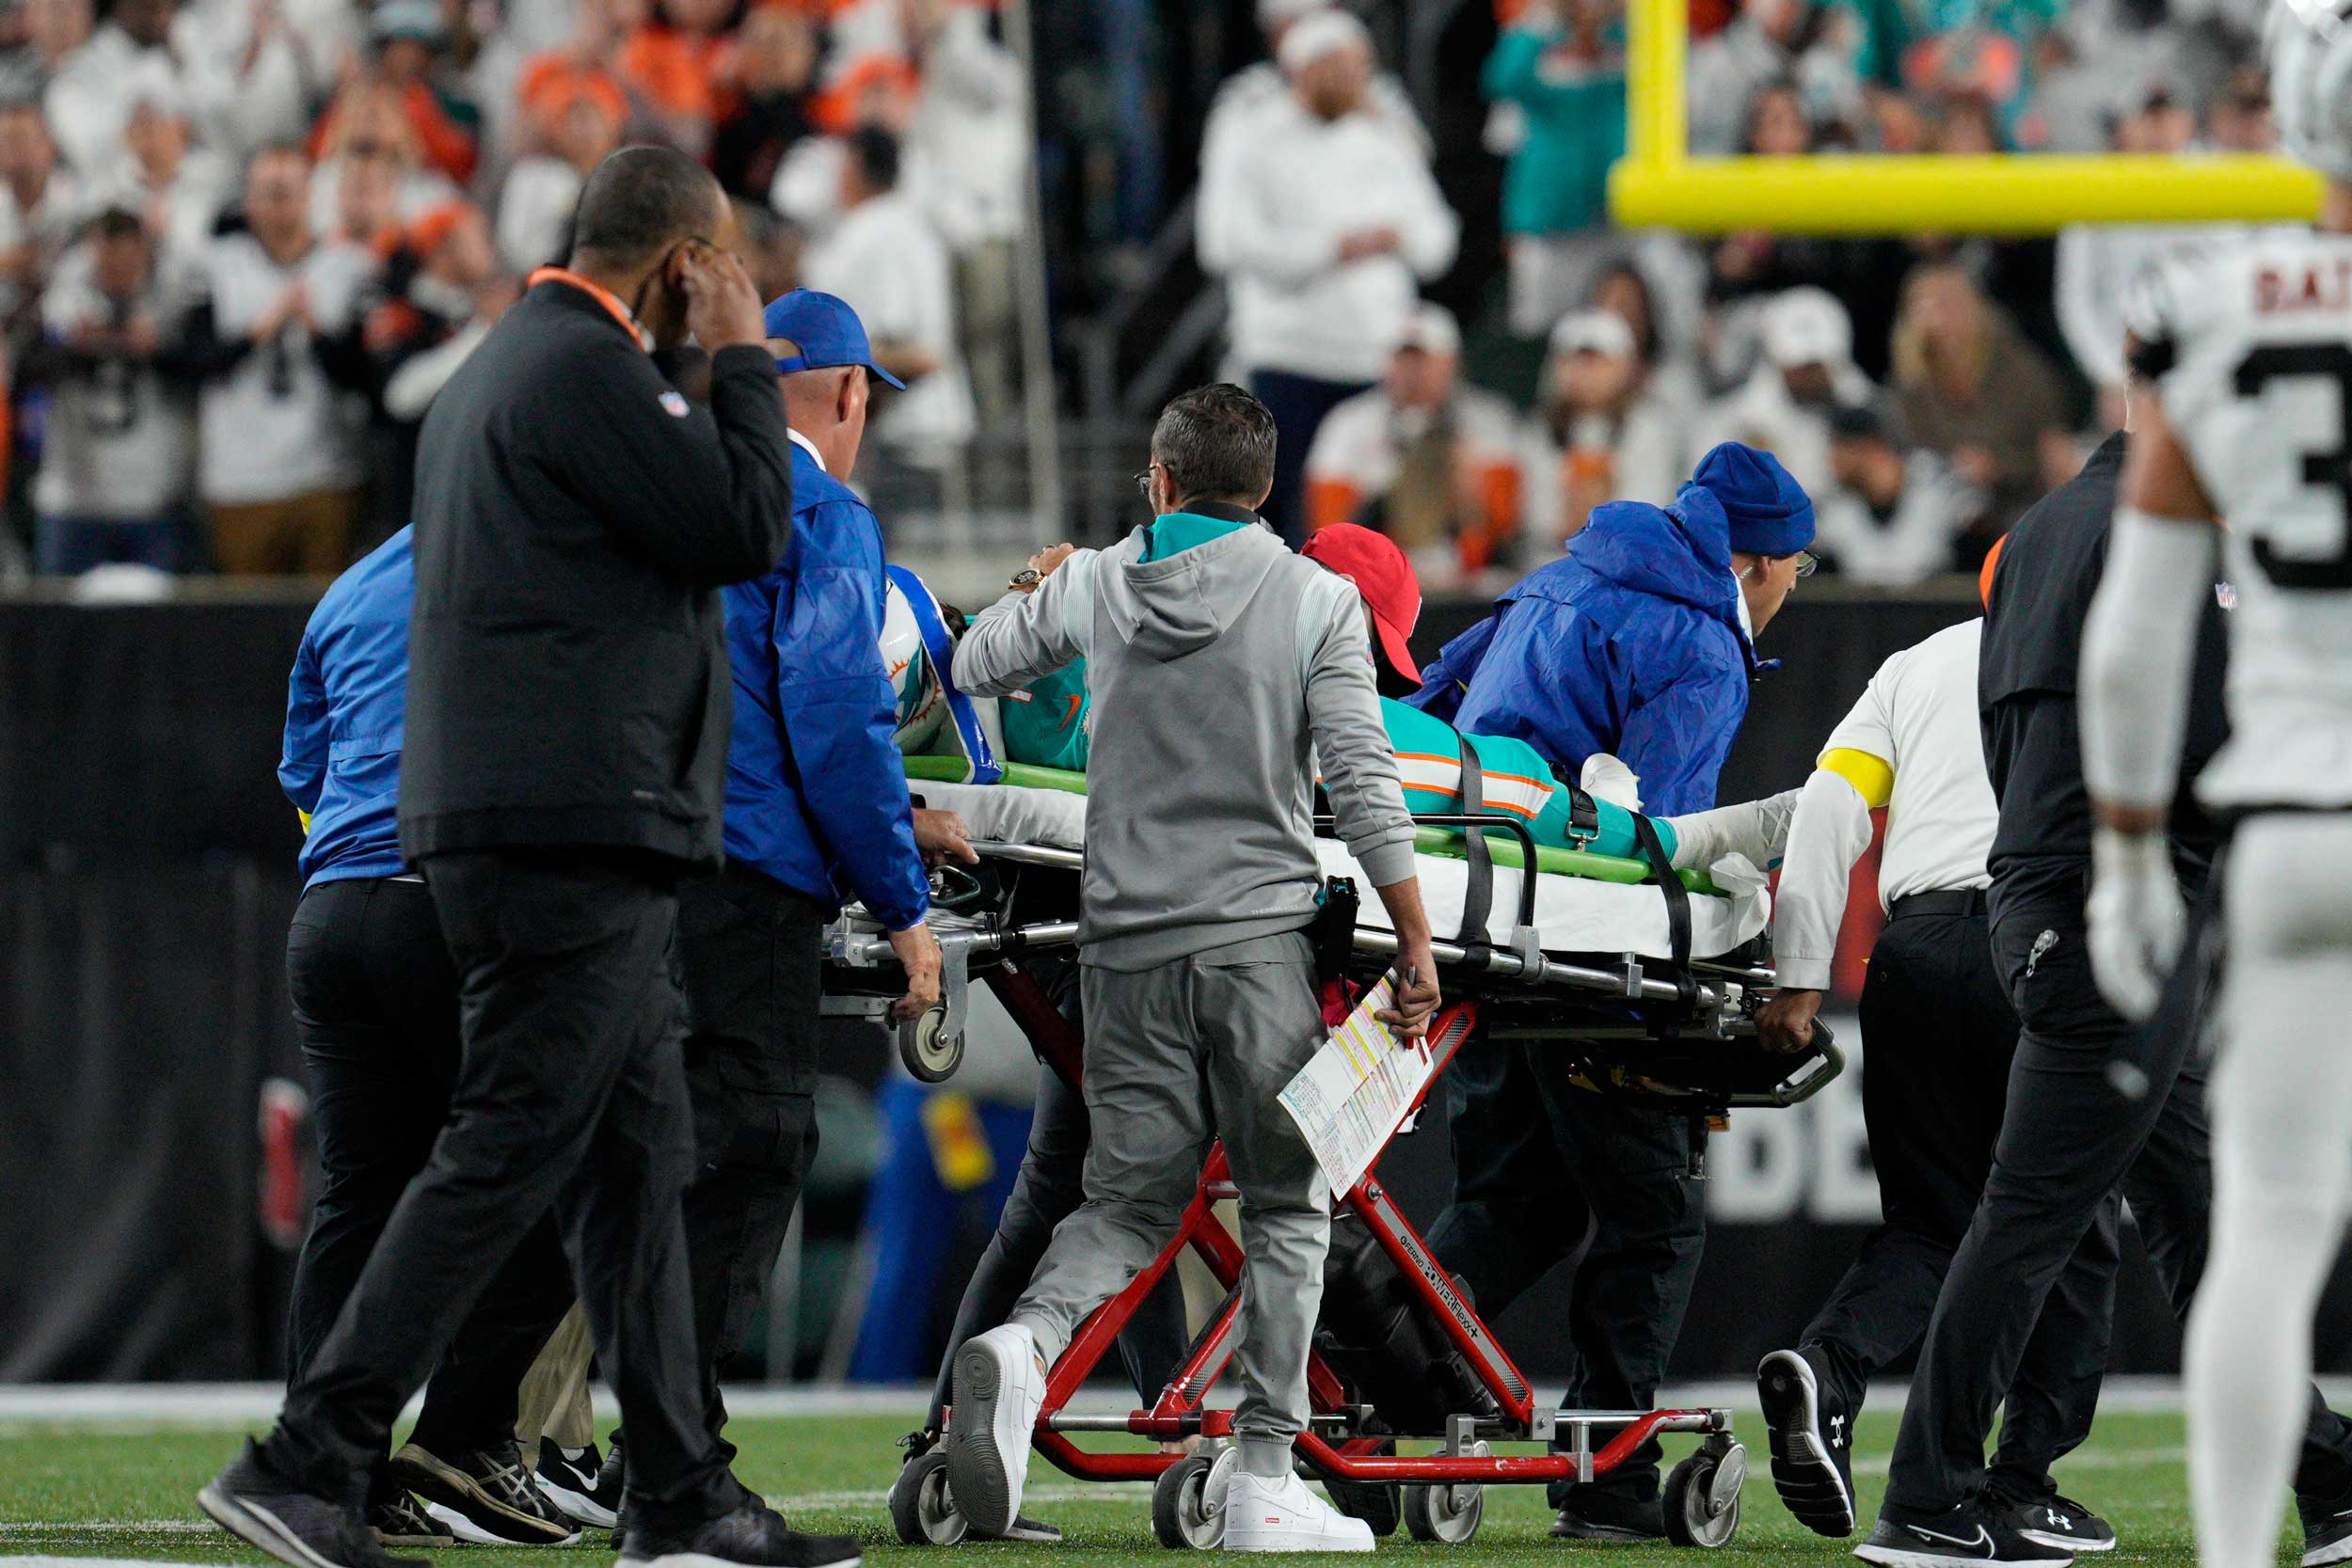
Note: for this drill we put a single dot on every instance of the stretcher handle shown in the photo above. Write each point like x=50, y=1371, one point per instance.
x=1508, y=965
x=1478, y=820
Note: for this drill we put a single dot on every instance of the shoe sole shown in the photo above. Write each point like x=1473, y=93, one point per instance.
x=1896, y=1556
x=453, y=1500
x=977, y=1475
x=1802, y=1472
x=577, y=1507
x=257, y=1527
x=413, y=1542
x=1284, y=1542
x=2335, y=1551
x=699, y=1559
x=2063, y=1543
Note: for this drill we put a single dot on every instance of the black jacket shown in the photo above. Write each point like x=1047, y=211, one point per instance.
x=2041, y=590
x=576, y=516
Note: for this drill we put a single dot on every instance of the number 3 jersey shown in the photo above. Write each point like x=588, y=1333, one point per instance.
x=2250, y=343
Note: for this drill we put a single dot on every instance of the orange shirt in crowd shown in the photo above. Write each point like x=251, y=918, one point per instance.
x=552, y=81
x=678, y=73
x=445, y=145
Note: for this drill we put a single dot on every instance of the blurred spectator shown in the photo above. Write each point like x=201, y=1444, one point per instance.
x=669, y=62
x=1600, y=433
x=444, y=125
x=367, y=196
x=1336, y=219
x=1563, y=64
x=584, y=115
x=1256, y=89
x=884, y=258
x=1422, y=457
x=970, y=138
x=1894, y=516
x=1823, y=53
x=273, y=331
x=1807, y=372
x=40, y=204
x=1971, y=389
x=1625, y=289
x=256, y=69
x=775, y=70
x=85, y=104
x=117, y=455
x=441, y=295
x=179, y=189
x=53, y=30
x=2096, y=263
x=549, y=79
x=878, y=90
x=2239, y=118
x=370, y=121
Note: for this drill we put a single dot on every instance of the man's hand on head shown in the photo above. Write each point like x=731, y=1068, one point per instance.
x=943, y=838
x=723, y=307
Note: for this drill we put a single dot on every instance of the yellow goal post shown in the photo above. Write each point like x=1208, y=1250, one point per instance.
x=1657, y=185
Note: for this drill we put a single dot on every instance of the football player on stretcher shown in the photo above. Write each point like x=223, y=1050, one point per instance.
x=1046, y=727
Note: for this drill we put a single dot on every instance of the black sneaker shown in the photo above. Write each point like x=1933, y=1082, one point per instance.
x=399, y=1522
x=1812, y=1440
x=485, y=1497
x=2326, y=1532
x=259, y=1508
x=2063, y=1523
x=753, y=1534
x=1971, y=1534
x=585, y=1487
x=1591, y=1515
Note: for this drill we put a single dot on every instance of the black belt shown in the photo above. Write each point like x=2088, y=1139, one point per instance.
x=1958, y=900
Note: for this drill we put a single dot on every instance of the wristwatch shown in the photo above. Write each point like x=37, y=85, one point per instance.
x=1027, y=577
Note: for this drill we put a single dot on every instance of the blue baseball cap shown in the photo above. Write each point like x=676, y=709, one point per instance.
x=827, y=331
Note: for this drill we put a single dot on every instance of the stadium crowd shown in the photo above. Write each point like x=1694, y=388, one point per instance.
x=244, y=243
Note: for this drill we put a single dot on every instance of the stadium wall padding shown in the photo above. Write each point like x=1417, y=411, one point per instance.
x=149, y=1087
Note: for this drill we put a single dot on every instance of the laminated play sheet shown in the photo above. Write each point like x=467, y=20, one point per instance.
x=1354, y=1091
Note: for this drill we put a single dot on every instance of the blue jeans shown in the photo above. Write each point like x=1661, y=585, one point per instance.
x=68, y=546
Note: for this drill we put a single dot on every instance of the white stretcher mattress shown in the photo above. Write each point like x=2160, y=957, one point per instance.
x=1573, y=915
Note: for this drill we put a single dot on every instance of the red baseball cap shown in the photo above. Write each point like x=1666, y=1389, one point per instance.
x=1383, y=576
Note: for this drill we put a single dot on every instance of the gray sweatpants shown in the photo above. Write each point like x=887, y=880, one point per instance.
x=1176, y=1057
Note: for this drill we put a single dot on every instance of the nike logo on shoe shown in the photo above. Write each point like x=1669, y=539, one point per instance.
x=1982, y=1539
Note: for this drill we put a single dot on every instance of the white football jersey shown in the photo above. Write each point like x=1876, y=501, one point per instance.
x=2252, y=338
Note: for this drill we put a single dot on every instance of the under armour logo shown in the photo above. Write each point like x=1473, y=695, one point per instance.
x=1837, y=1431
x=2059, y=1520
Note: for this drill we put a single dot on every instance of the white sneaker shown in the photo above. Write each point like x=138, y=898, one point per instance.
x=999, y=1388
x=1265, y=1515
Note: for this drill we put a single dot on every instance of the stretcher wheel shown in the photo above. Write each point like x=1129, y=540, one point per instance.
x=930, y=1052
x=1702, y=1497
x=921, y=1509
x=1188, y=1514
x=1447, y=1513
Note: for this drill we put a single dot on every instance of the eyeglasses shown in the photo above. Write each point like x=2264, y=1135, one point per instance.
x=1808, y=563
x=1143, y=482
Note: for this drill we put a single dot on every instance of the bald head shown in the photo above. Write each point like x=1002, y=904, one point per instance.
x=827, y=405
x=640, y=203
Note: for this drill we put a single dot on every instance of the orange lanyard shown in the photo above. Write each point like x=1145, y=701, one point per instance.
x=594, y=290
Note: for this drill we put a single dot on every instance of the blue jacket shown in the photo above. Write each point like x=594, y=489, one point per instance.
x=817, y=796
x=345, y=702
x=1630, y=644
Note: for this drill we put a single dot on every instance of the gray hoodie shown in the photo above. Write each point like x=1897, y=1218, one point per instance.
x=1217, y=678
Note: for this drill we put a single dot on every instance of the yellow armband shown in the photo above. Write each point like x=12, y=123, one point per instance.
x=1874, y=778
x=306, y=820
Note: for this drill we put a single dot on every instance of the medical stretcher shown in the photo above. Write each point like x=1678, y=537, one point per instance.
x=1663, y=1015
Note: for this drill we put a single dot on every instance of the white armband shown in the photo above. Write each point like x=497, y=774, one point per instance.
x=2138, y=643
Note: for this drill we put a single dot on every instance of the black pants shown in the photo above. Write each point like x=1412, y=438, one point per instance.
x=1299, y=405
x=1543, y=1172
x=375, y=1005
x=2094, y=1102
x=747, y=949
x=1050, y=1184
x=1941, y=1035
x=572, y=1095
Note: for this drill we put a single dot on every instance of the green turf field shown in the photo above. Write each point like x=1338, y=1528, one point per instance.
x=120, y=1492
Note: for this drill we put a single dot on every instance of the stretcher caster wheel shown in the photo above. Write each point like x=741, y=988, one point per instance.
x=1447, y=1513
x=930, y=1052
x=1702, y=1497
x=921, y=1509
x=1188, y=1502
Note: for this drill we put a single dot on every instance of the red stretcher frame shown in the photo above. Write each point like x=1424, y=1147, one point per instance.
x=1180, y=1411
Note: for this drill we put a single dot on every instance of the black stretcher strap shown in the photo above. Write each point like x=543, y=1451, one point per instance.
x=1677, y=900
x=1478, y=889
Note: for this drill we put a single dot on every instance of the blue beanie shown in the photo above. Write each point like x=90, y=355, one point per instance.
x=1769, y=513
